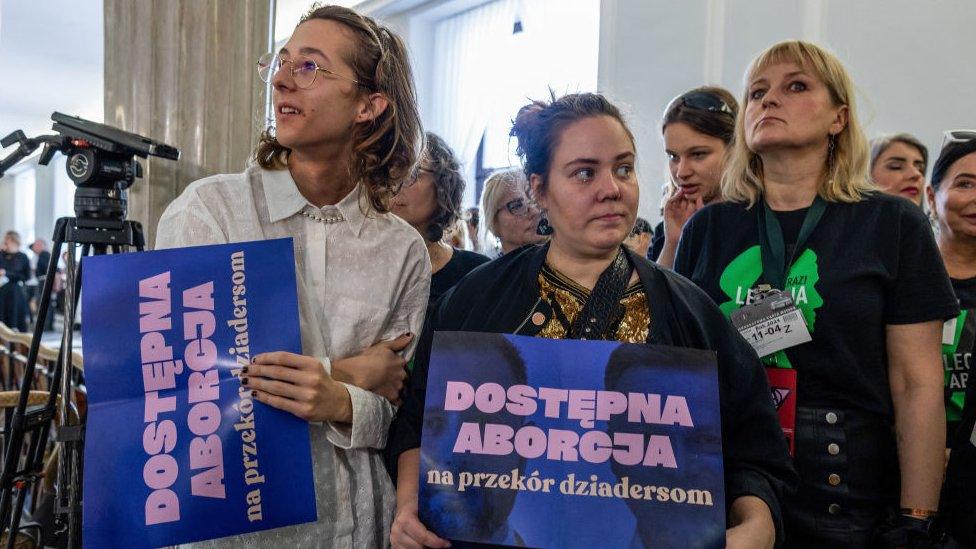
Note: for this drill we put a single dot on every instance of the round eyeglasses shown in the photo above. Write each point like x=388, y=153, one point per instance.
x=303, y=69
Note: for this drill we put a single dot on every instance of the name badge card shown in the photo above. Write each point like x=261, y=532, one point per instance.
x=771, y=323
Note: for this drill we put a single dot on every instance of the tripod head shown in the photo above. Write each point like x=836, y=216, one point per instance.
x=101, y=161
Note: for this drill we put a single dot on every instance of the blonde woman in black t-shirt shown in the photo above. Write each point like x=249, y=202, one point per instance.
x=864, y=272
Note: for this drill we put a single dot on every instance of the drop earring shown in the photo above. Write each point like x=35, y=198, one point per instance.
x=543, y=228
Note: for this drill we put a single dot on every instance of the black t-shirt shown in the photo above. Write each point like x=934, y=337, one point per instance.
x=461, y=263
x=958, y=505
x=866, y=265
x=958, y=341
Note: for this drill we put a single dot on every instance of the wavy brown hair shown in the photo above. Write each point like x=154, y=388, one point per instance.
x=386, y=148
x=448, y=186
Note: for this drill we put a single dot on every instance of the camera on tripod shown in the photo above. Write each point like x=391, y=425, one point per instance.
x=102, y=164
x=101, y=161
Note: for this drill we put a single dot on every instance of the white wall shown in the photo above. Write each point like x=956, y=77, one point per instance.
x=912, y=60
x=51, y=58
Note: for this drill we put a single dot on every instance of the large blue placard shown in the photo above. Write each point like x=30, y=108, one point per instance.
x=533, y=442
x=176, y=449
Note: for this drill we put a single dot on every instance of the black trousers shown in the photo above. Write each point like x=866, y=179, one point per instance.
x=849, y=478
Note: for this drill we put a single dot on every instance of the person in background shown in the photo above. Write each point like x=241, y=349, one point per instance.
x=698, y=127
x=472, y=217
x=585, y=284
x=456, y=236
x=14, y=273
x=952, y=201
x=347, y=133
x=864, y=273
x=39, y=262
x=430, y=201
x=510, y=218
x=898, y=164
x=639, y=239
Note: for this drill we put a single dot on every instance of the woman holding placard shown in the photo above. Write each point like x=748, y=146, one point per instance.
x=579, y=156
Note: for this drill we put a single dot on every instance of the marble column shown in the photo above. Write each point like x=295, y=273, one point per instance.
x=183, y=72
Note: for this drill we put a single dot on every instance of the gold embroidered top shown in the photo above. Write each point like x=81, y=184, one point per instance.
x=567, y=298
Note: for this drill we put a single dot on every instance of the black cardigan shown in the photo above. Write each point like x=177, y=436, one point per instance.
x=501, y=296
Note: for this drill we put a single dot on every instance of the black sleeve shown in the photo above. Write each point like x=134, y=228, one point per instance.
x=43, y=260
x=409, y=421
x=657, y=242
x=757, y=461
x=756, y=457
x=688, y=247
x=920, y=290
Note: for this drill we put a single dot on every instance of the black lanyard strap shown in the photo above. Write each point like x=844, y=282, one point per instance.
x=774, y=260
x=603, y=309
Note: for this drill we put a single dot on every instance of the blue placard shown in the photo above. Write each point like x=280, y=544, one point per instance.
x=176, y=450
x=561, y=443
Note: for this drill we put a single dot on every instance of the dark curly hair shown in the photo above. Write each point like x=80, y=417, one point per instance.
x=386, y=149
x=448, y=185
x=538, y=126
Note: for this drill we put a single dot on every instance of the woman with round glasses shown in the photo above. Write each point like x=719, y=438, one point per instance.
x=856, y=277
x=952, y=201
x=585, y=284
x=347, y=133
x=698, y=127
x=898, y=164
x=510, y=216
x=430, y=201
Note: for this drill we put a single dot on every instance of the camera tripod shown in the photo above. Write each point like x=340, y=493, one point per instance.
x=21, y=471
x=101, y=162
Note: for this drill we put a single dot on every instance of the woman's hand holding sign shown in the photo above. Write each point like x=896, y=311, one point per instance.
x=298, y=384
x=408, y=532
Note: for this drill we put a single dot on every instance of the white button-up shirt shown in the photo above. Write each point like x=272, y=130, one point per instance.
x=361, y=280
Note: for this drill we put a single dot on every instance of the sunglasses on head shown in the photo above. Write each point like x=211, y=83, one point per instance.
x=957, y=136
x=704, y=101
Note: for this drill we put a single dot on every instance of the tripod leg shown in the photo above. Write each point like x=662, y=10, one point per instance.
x=18, y=513
x=15, y=434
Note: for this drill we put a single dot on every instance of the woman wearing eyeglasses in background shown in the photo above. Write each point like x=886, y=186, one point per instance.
x=863, y=270
x=698, y=127
x=347, y=134
x=509, y=215
x=430, y=201
x=952, y=200
x=898, y=164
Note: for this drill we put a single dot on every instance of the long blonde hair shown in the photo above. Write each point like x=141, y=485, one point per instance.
x=386, y=149
x=845, y=176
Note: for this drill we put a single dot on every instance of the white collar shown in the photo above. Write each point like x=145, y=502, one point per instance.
x=285, y=200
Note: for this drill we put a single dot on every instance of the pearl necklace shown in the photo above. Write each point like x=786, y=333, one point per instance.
x=327, y=220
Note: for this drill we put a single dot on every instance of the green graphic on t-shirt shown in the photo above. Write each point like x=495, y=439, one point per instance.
x=742, y=274
x=956, y=365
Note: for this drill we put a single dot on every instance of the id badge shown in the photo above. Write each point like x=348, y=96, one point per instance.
x=782, y=384
x=771, y=322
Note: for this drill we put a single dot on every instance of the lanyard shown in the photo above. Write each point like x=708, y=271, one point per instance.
x=774, y=260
